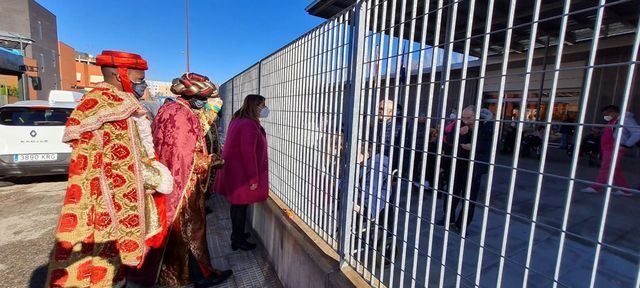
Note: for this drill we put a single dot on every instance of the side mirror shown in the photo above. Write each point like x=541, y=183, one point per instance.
x=36, y=82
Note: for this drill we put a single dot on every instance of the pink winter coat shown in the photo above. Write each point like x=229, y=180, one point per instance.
x=245, y=163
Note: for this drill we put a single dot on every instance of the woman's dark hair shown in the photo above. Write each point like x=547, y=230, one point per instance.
x=248, y=109
x=611, y=108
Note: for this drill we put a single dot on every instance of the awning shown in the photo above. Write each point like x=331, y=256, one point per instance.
x=10, y=63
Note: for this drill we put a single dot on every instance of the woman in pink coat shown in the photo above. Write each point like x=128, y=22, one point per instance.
x=244, y=179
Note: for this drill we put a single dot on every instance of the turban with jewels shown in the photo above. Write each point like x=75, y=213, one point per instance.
x=192, y=84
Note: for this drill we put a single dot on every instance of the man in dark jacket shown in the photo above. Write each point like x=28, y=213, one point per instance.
x=480, y=168
x=459, y=180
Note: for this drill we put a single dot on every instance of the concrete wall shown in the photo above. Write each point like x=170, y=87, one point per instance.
x=299, y=256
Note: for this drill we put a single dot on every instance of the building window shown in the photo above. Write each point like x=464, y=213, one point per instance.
x=53, y=57
x=94, y=79
x=41, y=63
x=40, y=29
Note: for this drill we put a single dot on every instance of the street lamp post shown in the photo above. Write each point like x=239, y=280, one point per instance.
x=187, y=20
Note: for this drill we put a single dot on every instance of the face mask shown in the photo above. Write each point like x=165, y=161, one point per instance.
x=264, y=112
x=138, y=88
x=196, y=103
x=608, y=118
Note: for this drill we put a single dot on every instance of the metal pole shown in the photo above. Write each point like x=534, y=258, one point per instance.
x=544, y=70
x=187, y=22
x=25, y=76
x=581, y=119
x=259, y=76
x=545, y=145
x=352, y=110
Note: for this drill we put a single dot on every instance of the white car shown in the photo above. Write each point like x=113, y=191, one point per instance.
x=31, y=136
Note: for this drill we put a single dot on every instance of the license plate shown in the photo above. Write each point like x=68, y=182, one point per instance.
x=35, y=157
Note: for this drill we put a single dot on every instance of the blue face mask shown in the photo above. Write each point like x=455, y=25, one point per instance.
x=196, y=103
x=139, y=87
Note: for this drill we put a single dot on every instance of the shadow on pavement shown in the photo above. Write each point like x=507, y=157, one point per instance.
x=38, y=277
x=4, y=182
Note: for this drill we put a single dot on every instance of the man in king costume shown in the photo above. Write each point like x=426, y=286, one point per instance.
x=112, y=214
x=179, y=134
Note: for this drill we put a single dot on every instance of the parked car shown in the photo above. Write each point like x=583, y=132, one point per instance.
x=31, y=136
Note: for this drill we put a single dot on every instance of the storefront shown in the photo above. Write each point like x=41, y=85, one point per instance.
x=11, y=66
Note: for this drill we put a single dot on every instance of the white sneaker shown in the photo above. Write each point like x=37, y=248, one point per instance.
x=589, y=190
x=621, y=193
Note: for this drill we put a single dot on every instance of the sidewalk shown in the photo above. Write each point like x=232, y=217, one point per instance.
x=250, y=269
x=618, y=264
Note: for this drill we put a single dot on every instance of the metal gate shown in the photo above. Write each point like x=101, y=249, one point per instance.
x=395, y=122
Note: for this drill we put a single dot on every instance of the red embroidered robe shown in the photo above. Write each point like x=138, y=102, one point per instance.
x=109, y=218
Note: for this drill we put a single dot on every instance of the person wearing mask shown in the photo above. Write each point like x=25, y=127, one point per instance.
x=453, y=116
x=462, y=163
x=244, y=179
x=98, y=237
x=480, y=168
x=629, y=137
x=179, y=131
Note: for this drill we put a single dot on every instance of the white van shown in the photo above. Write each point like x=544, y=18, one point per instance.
x=31, y=135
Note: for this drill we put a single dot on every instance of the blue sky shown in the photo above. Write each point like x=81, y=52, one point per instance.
x=226, y=36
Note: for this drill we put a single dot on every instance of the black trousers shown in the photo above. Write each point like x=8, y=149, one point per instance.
x=473, y=198
x=459, y=184
x=238, y=221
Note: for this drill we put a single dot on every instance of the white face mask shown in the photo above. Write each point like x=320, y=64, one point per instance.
x=264, y=112
x=608, y=118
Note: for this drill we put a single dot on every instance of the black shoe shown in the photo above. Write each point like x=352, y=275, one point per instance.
x=245, y=236
x=217, y=277
x=243, y=245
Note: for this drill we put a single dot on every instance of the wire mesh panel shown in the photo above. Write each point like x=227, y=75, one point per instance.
x=226, y=93
x=464, y=143
x=305, y=85
x=236, y=89
x=447, y=86
x=248, y=82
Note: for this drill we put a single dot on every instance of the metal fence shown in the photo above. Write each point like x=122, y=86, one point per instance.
x=364, y=150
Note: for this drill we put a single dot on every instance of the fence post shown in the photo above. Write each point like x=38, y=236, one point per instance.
x=351, y=111
x=259, y=77
x=233, y=94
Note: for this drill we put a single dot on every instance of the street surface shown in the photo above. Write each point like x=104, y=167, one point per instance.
x=28, y=214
